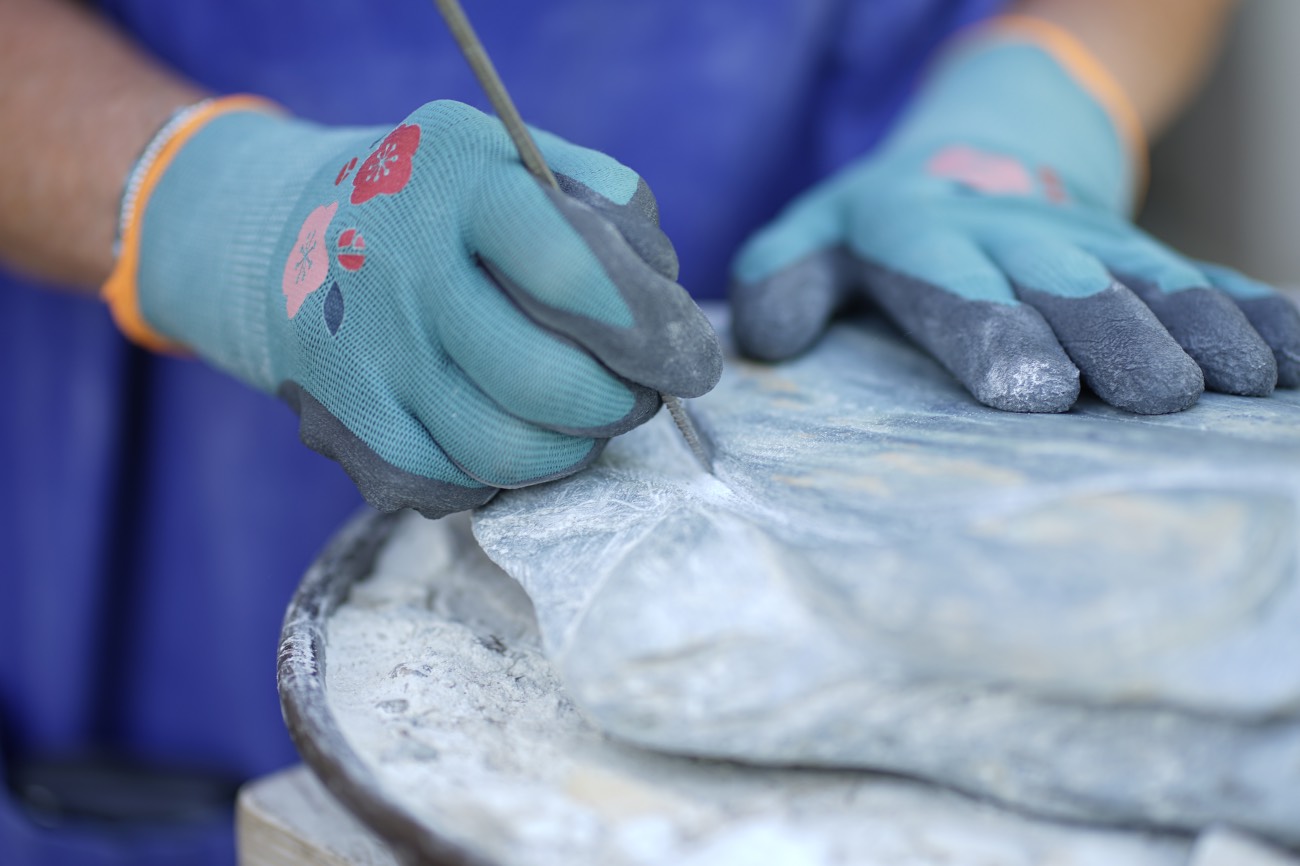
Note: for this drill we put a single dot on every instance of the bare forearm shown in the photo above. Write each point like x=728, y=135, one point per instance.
x=1158, y=50
x=78, y=105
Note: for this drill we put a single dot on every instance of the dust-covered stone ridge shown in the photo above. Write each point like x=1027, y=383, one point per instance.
x=437, y=678
x=1092, y=615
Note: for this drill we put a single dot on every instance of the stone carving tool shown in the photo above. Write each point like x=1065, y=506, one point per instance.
x=487, y=76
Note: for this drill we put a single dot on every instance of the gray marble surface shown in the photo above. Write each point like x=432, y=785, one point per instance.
x=436, y=677
x=1093, y=616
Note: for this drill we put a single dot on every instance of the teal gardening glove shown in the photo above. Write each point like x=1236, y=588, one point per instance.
x=991, y=228
x=443, y=324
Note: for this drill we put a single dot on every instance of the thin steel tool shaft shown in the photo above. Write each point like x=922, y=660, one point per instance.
x=504, y=106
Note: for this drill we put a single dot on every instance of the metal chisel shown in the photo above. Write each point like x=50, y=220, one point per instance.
x=504, y=106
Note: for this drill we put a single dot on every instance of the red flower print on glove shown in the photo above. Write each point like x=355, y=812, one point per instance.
x=388, y=168
x=345, y=170
x=1053, y=187
x=351, y=250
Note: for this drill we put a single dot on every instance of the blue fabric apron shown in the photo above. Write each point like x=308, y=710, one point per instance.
x=155, y=516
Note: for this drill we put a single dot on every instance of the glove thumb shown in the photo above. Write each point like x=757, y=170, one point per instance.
x=789, y=280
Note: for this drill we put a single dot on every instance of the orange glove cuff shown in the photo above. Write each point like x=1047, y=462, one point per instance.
x=121, y=291
x=1084, y=67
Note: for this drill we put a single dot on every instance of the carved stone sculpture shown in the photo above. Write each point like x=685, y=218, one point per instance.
x=1093, y=615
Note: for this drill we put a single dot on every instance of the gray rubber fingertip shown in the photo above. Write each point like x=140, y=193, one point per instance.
x=782, y=316
x=384, y=487
x=645, y=405
x=1028, y=384
x=1003, y=353
x=637, y=221
x=1216, y=333
x=1122, y=351
x=1277, y=320
x=672, y=347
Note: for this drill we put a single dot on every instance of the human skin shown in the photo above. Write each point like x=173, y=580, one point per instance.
x=1158, y=50
x=80, y=102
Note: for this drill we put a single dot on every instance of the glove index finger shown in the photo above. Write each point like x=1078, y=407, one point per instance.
x=945, y=293
x=637, y=221
x=571, y=270
x=620, y=194
x=597, y=171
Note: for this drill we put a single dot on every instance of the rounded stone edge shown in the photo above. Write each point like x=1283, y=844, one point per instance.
x=300, y=676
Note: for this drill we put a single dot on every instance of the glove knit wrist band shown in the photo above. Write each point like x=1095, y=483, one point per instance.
x=120, y=290
x=1087, y=71
x=146, y=159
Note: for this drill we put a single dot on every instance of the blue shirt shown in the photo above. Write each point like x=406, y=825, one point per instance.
x=156, y=516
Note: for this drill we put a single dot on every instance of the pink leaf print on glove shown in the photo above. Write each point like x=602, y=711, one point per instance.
x=985, y=172
x=388, y=168
x=308, y=262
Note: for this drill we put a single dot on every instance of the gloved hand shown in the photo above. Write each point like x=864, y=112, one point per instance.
x=444, y=324
x=991, y=227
